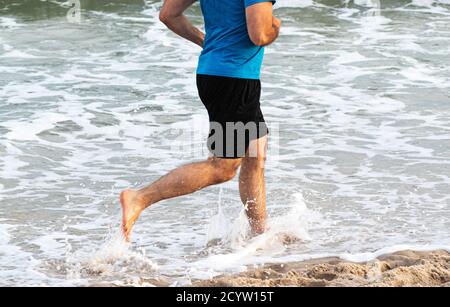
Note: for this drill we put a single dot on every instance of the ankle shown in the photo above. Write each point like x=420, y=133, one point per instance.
x=142, y=200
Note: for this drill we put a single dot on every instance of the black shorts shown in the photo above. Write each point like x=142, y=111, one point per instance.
x=234, y=111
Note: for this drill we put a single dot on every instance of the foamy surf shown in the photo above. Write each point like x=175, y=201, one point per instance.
x=7, y=23
x=228, y=248
x=115, y=262
x=234, y=248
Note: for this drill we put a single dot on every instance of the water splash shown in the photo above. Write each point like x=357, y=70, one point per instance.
x=237, y=248
x=115, y=261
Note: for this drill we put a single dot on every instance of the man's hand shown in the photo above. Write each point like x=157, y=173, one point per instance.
x=263, y=27
x=276, y=23
x=172, y=16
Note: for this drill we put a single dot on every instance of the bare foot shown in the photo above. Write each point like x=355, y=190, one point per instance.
x=132, y=208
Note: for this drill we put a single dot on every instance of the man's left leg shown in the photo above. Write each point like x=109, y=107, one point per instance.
x=183, y=180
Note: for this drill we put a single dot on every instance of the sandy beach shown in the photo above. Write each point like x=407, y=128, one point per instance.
x=401, y=269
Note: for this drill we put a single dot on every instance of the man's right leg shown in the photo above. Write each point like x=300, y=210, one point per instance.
x=181, y=181
x=252, y=184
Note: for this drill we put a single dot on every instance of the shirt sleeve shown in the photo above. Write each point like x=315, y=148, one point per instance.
x=251, y=2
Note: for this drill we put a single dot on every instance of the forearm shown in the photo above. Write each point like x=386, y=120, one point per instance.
x=184, y=28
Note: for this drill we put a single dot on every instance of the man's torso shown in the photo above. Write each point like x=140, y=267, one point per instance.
x=228, y=50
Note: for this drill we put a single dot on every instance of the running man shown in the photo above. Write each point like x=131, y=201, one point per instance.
x=228, y=82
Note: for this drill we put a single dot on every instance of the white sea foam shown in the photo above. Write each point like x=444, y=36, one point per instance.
x=18, y=55
x=292, y=226
x=428, y=3
x=364, y=257
x=22, y=262
x=368, y=3
x=30, y=130
x=8, y=23
x=294, y=3
x=111, y=261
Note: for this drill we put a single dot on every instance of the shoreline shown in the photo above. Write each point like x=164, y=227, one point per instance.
x=400, y=269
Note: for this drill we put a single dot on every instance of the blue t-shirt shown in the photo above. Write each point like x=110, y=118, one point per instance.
x=228, y=50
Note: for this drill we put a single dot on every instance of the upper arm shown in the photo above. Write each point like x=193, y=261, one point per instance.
x=174, y=8
x=259, y=14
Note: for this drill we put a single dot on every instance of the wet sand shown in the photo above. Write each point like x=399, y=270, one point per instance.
x=401, y=269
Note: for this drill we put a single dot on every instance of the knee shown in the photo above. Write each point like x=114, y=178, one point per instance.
x=225, y=169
